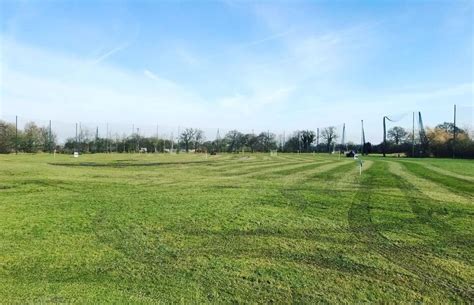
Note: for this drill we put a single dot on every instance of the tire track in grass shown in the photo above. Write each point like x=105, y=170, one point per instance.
x=341, y=177
x=366, y=232
x=414, y=190
x=415, y=198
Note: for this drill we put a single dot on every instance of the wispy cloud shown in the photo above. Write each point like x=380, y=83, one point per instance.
x=268, y=38
x=98, y=91
x=109, y=53
x=151, y=75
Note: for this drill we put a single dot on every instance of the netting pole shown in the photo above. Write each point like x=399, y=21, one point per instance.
x=454, y=132
x=343, y=136
x=138, y=139
x=317, y=139
x=384, y=136
x=413, y=137
x=177, y=147
x=107, y=138
x=423, y=139
x=284, y=141
x=75, y=148
x=80, y=137
x=96, y=140
x=49, y=137
x=157, y=137
x=16, y=135
x=299, y=142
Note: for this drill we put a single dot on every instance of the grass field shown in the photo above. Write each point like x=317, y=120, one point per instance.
x=235, y=229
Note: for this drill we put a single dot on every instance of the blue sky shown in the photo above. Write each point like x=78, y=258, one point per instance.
x=277, y=65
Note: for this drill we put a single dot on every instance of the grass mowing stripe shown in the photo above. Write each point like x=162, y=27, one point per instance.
x=245, y=169
x=361, y=224
x=430, y=189
x=323, y=169
x=460, y=186
x=443, y=171
x=299, y=169
x=292, y=189
x=267, y=172
x=233, y=164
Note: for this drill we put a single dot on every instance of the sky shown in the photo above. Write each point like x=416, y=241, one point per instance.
x=247, y=65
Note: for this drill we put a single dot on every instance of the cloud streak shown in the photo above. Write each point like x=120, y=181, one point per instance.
x=109, y=53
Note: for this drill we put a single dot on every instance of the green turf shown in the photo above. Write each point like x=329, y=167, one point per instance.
x=235, y=229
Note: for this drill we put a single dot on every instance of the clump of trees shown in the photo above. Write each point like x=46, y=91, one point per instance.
x=236, y=141
x=436, y=142
x=31, y=139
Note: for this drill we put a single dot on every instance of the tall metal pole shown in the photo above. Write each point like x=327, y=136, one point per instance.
x=218, y=137
x=49, y=138
x=268, y=139
x=172, y=142
x=75, y=148
x=16, y=134
x=413, y=137
x=384, y=136
x=80, y=136
x=299, y=142
x=138, y=139
x=317, y=139
x=284, y=140
x=157, y=137
x=96, y=147
x=423, y=139
x=343, y=136
x=107, y=138
x=362, y=137
x=454, y=132
x=179, y=130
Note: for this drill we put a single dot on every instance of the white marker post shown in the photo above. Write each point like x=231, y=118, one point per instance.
x=360, y=164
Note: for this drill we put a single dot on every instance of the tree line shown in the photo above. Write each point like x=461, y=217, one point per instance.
x=439, y=142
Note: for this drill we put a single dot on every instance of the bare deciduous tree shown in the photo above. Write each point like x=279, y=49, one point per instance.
x=187, y=137
x=329, y=136
x=397, y=134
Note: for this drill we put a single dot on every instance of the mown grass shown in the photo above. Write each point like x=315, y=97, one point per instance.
x=235, y=229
